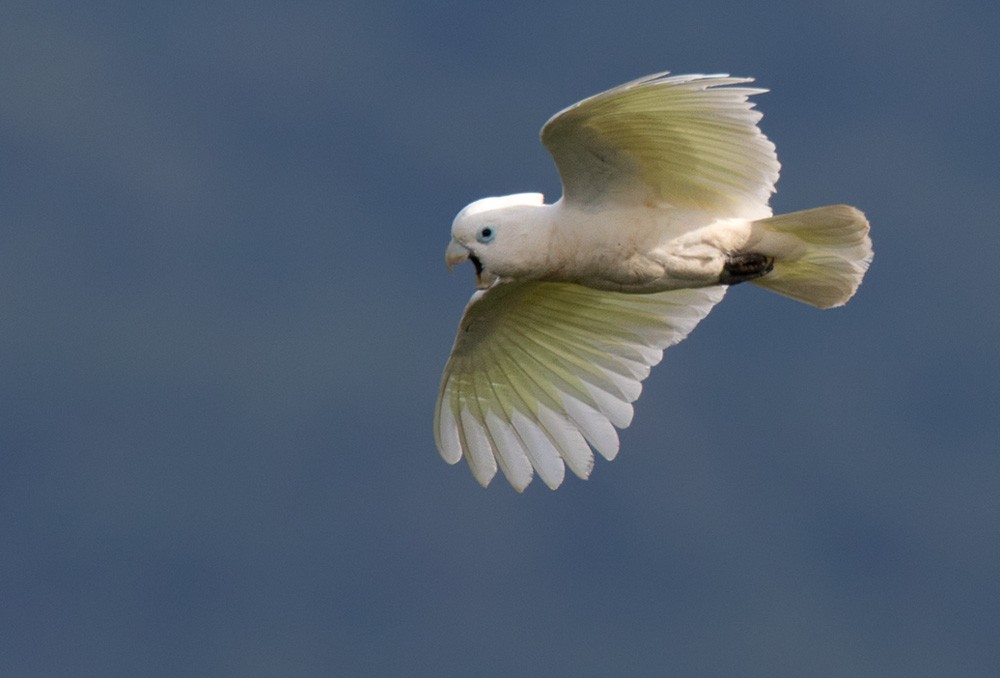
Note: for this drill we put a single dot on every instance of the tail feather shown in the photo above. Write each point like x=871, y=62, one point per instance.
x=820, y=255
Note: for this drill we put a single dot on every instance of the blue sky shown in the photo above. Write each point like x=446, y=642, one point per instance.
x=226, y=311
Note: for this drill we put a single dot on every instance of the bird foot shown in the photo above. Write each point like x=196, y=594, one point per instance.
x=745, y=266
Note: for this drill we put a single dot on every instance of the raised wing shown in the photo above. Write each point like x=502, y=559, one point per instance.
x=688, y=141
x=541, y=372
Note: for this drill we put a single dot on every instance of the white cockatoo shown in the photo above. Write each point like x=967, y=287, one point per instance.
x=666, y=182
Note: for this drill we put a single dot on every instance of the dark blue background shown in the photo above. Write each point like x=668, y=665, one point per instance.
x=225, y=311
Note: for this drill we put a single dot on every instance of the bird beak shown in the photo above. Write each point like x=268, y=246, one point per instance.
x=455, y=254
x=484, y=280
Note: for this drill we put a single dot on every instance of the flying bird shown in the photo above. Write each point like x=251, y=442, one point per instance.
x=666, y=182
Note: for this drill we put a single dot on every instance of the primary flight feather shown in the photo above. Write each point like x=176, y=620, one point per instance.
x=666, y=183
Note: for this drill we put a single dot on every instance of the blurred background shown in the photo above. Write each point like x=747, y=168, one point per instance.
x=225, y=312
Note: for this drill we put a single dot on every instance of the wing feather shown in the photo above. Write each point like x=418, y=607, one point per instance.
x=544, y=455
x=571, y=445
x=447, y=427
x=476, y=445
x=551, y=418
x=542, y=372
x=687, y=141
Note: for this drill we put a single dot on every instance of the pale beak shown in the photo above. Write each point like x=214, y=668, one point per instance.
x=455, y=254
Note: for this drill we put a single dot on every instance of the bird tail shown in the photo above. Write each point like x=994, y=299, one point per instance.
x=820, y=255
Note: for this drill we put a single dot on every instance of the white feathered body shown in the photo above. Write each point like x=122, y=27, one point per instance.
x=654, y=248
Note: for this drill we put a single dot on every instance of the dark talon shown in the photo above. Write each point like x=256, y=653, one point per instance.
x=745, y=266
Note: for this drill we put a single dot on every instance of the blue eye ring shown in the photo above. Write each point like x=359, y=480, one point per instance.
x=486, y=234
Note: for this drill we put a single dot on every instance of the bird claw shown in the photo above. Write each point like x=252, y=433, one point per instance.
x=745, y=266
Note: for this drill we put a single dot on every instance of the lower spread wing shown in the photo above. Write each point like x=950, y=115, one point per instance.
x=541, y=372
x=688, y=141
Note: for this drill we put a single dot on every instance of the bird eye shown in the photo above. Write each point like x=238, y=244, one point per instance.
x=486, y=234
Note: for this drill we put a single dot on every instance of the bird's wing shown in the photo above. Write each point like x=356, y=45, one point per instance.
x=539, y=370
x=688, y=142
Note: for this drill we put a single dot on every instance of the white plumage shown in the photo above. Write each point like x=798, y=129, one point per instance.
x=666, y=182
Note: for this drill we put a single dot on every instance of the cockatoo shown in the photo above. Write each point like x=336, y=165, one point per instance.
x=666, y=183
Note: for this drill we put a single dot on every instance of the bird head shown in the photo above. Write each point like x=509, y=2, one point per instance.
x=500, y=236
